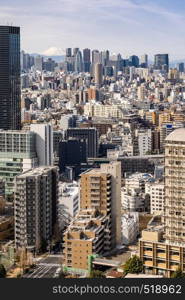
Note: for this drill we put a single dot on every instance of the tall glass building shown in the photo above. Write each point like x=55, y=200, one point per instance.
x=10, y=101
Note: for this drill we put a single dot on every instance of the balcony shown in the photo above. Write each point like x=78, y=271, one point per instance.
x=161, y=265
x=161, y=255
x=148, y=253
x=175, y=257
x=174, y=267
x=148, y=263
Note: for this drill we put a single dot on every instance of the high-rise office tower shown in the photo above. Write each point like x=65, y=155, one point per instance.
x=10, y=101
x=88, y=134
x=44, y=143
x=105, y=57
x=68, y=52
x=78, y=62
x=49, y=65
x=87, y=59
x=69, y=60
x=161, y=61
x=38, y=62
x=180, y=67
x=75, y=51
x=96, y=59
x=134, y=61
x=144, y=61
x=35, y=207
x=98, y=75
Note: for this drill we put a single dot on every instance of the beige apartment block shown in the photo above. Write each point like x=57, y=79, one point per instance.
x=163, y=249
x=97, y=227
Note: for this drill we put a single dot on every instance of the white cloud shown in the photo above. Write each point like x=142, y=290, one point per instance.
x=125, y=26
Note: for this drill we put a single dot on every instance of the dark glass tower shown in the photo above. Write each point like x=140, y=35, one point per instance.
x=161, y=60
x=87, y=59
x=10, y=93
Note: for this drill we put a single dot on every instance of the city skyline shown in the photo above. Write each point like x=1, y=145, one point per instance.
x=132, y=26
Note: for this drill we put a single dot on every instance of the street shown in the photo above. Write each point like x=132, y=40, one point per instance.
x=45, y=267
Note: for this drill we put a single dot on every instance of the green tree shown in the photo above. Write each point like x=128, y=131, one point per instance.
x=178, y=274
x=96, y=274
x=62, y=274
x=133, y=265
x=2, y=271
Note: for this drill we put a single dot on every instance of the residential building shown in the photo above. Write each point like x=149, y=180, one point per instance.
x=162, y=248
x=17, y=154
x=69, y=203
x=129, y=228
x=97, y=227
x=156, y=192
x=35, y=206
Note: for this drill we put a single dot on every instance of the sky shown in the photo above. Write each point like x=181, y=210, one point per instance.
x=122, y=26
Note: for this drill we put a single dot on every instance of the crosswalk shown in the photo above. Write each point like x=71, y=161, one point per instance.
x=45, y=267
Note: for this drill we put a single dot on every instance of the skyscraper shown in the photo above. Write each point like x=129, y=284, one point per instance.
x=69, y=59
x=144, y=61
x=87, y=59
x=78, y=62
x=68, y=52
x=38, y=62
x=10, y=101
x=105, y=57
x=75, y=50
x=134, y=61
x=98, y=75
x=96, y=59
x=161, y=61
x=180, y=67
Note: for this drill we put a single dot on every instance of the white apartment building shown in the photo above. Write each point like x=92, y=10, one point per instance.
x=156, y=192
x=103, y=111
x=137, y=181
x=68, y=205
x=129, y=227
x=145, y=142
x=132, y=200
x=44, y=143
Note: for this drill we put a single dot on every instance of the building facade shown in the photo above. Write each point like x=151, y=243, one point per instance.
x=162, y=248
x=97, y=228
x=10, y=90
x=35, y=206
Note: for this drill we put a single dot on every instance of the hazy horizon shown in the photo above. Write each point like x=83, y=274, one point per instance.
x=122, y=26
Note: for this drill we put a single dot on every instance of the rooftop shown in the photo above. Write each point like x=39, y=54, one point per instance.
x=35, y=172
x=177, y=135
